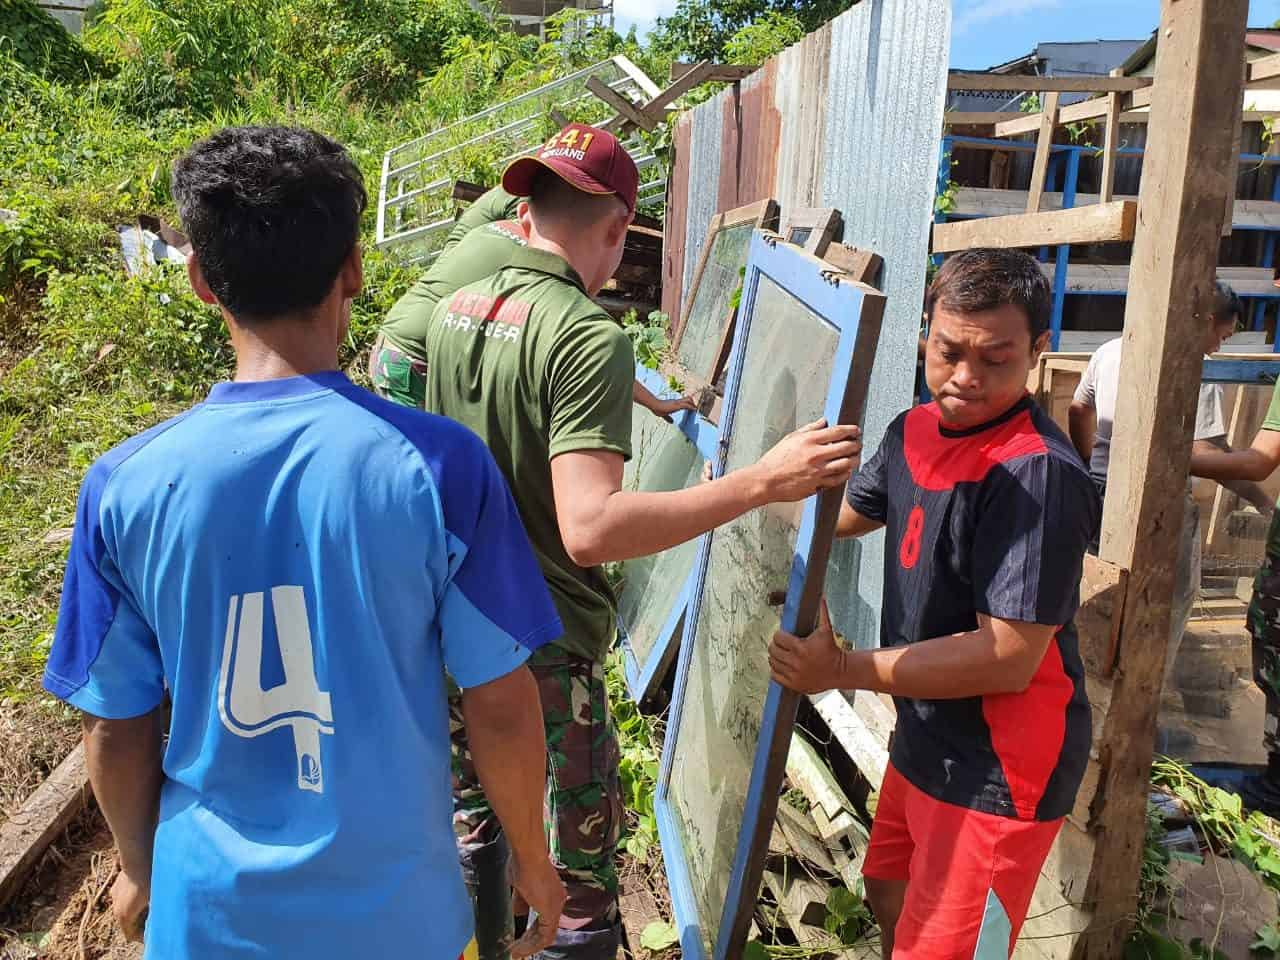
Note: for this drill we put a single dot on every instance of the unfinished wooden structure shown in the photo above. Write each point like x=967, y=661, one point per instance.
x=1063, y=150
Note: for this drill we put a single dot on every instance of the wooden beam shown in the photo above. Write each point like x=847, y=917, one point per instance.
x=977, y=118
x=1099, y=223
x=1185, y=185
x=1264, y=68
x=717, y=72
x=1077, y=112
x=862, y=266
x=26, y=835
x=1015, y=83
x=1044, y=145
x=656, y=108
x=989, y=202
x=1237, y=141
x=620, y=104
x=1110, y=143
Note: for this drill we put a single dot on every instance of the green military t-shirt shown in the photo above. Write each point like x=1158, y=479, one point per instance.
x=1272, y=422
x=526, y=360
x=480, y=242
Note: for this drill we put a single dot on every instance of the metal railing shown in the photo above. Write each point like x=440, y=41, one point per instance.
x=415, y=202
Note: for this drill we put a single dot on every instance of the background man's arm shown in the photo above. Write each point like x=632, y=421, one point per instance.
x=1082, y=424
x=599, y=522
x=657, y=406
x=1001, y=656
x=1239, y=470
x=124, y=762
x=506, y=739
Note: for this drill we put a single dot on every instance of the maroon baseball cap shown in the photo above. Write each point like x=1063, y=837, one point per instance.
x=584, y=157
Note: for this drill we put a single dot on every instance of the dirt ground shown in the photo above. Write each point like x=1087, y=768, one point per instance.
x=62, y=913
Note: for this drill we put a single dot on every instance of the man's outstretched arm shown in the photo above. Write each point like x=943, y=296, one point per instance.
x=1231, y=466
x=1001, y=656
x=124, y=762
x=508, y=746
x=600, y=522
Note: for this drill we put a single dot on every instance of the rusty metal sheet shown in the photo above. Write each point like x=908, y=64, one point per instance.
x=673, y=242
x=751, y=126
x=801, y=70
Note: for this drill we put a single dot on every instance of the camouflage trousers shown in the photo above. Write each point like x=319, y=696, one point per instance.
x=583, y=810
x=397, y=376
x=1264, y=629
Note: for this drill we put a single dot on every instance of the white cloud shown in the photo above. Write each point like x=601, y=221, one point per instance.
x=642, y=13
x=977, y=12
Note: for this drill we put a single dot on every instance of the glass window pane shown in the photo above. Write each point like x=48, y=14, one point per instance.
x=662, y=458
x=786, y=373
x=710, y=307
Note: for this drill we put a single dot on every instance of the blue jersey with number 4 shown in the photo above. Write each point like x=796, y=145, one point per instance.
x=299, y=563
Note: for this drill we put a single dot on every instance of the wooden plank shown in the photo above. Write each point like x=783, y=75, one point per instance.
x=1099, y=223
x=620, y=104
x=1187, y=177
x=862, y=266
x=1113, y=278
x=1017, y=83
x=656, y=108
x=865, y=742
x=638, y=76
x=798, y=897
x=1237, y=141
x=26, y=835
x=1044, y=146
x=1078, y=112
x=1264, y=68
x=814, y=779
x=1110, y=143
x=991, y=202
x=975, y=118
x=1102, y=594
x=718, y=72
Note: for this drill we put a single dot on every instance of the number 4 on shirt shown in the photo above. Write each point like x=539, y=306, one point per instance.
x=249, y=711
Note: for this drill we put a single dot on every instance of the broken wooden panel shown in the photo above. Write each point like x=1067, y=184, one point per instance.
x=706, y=321
x=803, y=351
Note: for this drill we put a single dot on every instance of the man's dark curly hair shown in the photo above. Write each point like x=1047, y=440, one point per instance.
x=984, y=279
x=272, y=213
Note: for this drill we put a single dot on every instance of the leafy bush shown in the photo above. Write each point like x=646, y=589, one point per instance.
x=40, y=44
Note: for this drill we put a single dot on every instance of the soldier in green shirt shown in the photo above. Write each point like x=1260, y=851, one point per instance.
x=528, y=361
x=1261, y=792
x=483, y=241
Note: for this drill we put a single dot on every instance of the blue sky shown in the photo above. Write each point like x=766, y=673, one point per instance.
x=987, y=32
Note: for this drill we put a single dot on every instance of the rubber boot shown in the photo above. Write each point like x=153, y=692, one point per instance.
x=484, y=870
x=584, y=945
x=1262, y=791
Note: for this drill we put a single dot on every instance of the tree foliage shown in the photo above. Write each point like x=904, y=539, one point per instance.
x=703, y=29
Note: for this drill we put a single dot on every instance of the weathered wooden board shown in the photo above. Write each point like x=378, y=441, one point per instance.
x=26, y=835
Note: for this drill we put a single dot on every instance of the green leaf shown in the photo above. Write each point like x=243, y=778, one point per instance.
x=755, y=951
x=659, y=936
x=1268, y=940
x=842, y=904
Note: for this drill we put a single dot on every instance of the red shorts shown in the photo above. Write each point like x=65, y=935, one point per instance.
x=970, y=874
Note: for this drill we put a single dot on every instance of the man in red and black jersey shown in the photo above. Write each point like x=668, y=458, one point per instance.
x=987, y=510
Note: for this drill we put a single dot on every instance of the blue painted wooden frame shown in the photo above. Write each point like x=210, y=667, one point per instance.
x=855, y=311
x=644, y=676
x=1247, y=372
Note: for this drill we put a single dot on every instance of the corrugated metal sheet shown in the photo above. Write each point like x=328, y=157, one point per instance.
x=849, y=118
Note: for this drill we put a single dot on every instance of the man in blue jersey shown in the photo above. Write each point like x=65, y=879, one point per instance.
x=297, y=564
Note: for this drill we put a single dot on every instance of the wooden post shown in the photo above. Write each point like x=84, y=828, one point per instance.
x=1110, y=144
x=1188, y=173
x=1044, y=148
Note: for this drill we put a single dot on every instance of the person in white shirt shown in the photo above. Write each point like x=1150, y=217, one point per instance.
x=1092, y=414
